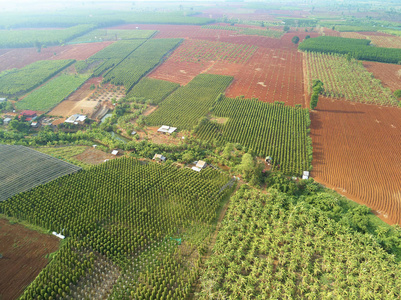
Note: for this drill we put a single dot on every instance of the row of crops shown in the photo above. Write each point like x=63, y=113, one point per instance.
x=154, y=90
x=357, y=48
x=38, y=38
x=100, y=35
x=52, y=93
x=127, y=211
x=189, y=103
x=273, y=247
x=268, y=129
x=141, y=61
x=247, y=31
x=199, y=51
x=19, y=81
x=347, y=79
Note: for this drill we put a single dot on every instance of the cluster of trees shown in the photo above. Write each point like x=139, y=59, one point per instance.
x=317, y=88
x=358, y=48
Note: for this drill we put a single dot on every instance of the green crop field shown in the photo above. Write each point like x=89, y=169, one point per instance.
x=268, y=129
x=23, y=80
x=141, y=61
x=35, y=38
x=128, y=212
x=100, y=35
x=247, y=31
x=52, y=93
x=184, y=107
x=154, y=90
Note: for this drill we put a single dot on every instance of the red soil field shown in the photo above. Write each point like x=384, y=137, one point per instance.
x=386, y=41
x=24, y=253
x=357, y=150
x=271, y=75
x=329, y=32
x=389, y=74
x=20, y=57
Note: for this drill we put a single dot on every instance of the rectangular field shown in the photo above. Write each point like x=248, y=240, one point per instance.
x=22, y=169
x=356, y=151
x=388, y=74
x=100, y=35
x=52, y=93
x=153, y=89
x=184, y=107
x=23, y=80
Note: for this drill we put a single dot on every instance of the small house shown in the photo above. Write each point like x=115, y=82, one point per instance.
x=114, y=152
x=305, y=175
x=6, y=121
x=133, y=133
x=35, y=124
x=201, y=164
x=76, y=119
x=167, y=129
x=28, y=114
x=159, y=157
x=94, y=146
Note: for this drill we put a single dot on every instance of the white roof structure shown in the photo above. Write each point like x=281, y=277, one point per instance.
x=75, y=119
x=3, y=99
x=58, y=235
x=196, y=169
x=305, y=175
x=201, y=164
x=167, y=129
x=159, y=157
x=114, y=152
x=133, y=133
x=7, y=120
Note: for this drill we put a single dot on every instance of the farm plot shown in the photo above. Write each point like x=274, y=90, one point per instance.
x=193, y=57
x=356, y=151
x=23, y=168
x=100, y=35
x=52, y=93
x=388, y=74
x=25, y=79
x=247, y=31
x=184, y=107
x=271, y=75
x=386, y=41
x=24, y=252
x=346, y=79
x=140, y=219
x=268, y=129
x=21, y=57
x=152, y=89
x=353, y=35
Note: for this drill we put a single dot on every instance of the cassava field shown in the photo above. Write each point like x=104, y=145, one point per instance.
x=191, y=130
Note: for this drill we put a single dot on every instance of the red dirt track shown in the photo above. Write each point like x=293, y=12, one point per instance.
x=389, y=74
x=357, y=150
x=24, y=253
x=20, y=57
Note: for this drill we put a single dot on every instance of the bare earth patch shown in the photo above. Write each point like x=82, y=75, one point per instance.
x=23, y=253
x=93, y=156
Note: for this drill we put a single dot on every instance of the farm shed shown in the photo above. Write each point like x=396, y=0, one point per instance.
x=305, y=175
x=114, y=152
x=159, y=157
x=28, y=114
x=167, y=129
x=133, y=133
x=201, y=164
x=196, y=169
x=35, y=124
x=76, y=119
x=6, y=121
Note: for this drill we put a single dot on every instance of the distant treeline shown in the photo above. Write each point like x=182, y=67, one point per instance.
x=356, y=48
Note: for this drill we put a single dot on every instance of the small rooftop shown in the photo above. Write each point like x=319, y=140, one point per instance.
x=167, y=129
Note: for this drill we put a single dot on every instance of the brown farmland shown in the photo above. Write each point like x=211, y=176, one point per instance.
x=20, y=57
x=23, y=253
x=357, y=150
x=389, y=74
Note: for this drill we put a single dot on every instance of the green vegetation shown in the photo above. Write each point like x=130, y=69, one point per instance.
x=397, y=94
x=19, y=81
x=52, y=93
x=348, y=28
x=313, y=246
x=247, y=31
x=153, y=89
x=39, y=38
x=295, y=39
x=345, y=77
x=124, y=222
x=66, y=153
x=141, y=61
x=317, y=88
x=100, y=35
x=357, y=48
x=189, y=103
x=267, y=129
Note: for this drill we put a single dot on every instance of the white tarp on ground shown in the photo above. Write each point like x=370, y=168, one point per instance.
x=58, y=235
x=167, y=129
x=196, y=169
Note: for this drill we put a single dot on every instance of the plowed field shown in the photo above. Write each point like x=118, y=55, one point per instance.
x=23, y=253
x=20, y=57
x=389, y=74
x=357, y=150
x=271, y=75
